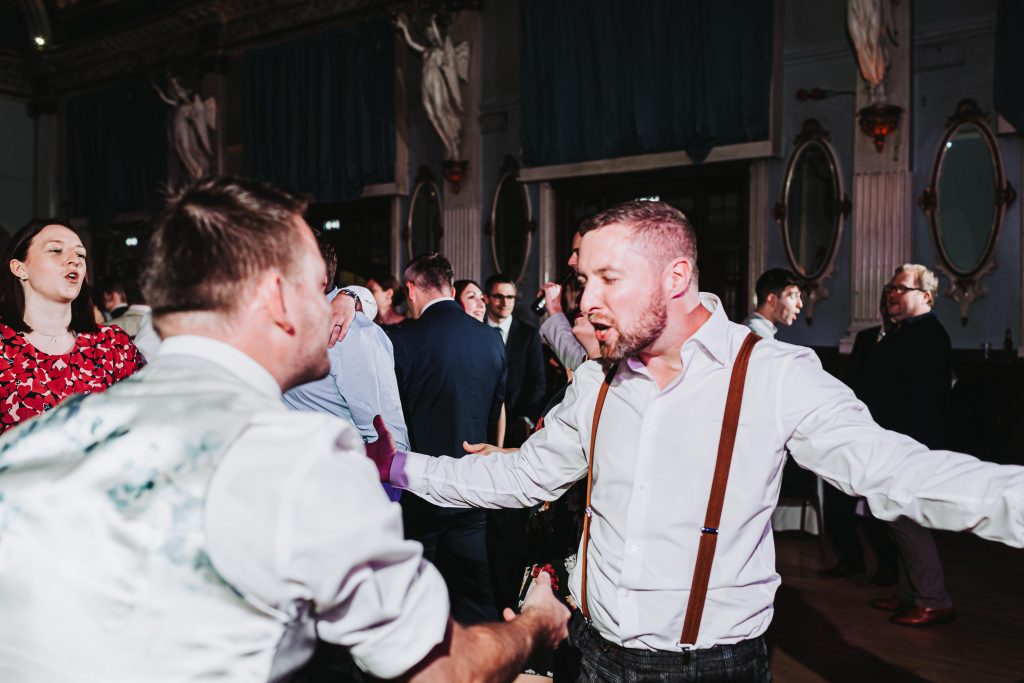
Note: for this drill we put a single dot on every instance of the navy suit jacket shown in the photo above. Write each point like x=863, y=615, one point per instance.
x=451, y=372
x=526, y=382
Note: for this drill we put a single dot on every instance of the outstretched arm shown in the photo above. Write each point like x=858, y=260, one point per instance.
x=497, y=652
x=402, y=23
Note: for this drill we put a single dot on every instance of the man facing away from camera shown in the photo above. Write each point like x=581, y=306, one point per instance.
x=677, y=569
x=187, y=526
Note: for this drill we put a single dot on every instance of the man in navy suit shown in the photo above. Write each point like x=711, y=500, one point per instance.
x=451, y=372
x=524, y=397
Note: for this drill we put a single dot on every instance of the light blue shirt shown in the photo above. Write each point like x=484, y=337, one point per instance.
x=360, y=384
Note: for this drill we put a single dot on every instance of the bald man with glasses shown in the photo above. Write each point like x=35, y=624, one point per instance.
x=906, y=383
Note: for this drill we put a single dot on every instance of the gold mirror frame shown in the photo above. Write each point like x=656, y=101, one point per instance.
x=424, y=182
x=965, y=286
x=812, y=134
x=510, y=173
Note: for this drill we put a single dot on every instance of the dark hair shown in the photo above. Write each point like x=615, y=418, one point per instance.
x=497, y=279
x=214, y=236
x=111, y=284
x=660, y=228
x=430, y=271
x=387, y=281
x=774, y=281
x=12, y=295
x=330, y=257
x=460, y=287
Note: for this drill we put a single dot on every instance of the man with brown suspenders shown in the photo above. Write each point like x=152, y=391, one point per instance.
x=657, y=599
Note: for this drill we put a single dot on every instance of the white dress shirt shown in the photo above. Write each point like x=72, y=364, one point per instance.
x=556, y=332
x=655, y=457
x=186, y=526
x=761, y=326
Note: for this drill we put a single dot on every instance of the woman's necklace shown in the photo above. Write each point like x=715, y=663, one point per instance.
x=52, y=337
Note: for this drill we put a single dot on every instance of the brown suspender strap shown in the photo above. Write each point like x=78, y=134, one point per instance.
x=709, y=534
x=590, y=485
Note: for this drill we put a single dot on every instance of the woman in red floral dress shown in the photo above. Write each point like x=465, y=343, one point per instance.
x=50, y=345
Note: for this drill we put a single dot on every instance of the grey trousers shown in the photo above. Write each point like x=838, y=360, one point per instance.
x=921, y=580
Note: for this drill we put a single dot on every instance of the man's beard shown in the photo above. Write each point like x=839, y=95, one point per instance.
x=643, y=333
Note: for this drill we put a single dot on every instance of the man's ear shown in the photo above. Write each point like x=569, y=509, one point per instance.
x=680, y=274
x=273, y=295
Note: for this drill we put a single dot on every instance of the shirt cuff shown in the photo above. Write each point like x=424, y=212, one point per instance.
x=397, y=474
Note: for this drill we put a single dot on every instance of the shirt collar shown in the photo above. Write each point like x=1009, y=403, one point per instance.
x=505, y=325
x=227, y=357
x=712, y=335
x=434, y=301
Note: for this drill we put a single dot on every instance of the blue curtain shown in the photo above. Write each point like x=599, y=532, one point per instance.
x=117, y=152
x=1009, y=64
x=606, y=78
x=320, y=112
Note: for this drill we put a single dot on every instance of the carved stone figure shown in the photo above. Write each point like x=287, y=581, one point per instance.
x=190, y=127
x=444, y=65
x=872, y=27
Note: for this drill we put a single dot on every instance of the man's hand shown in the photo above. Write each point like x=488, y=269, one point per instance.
x=343, y=310
x=549, y=614
x=382, y=451
x=552, y=297
x=484, y=448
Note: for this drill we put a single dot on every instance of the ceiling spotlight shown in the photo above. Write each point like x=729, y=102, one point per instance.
x=40, y=41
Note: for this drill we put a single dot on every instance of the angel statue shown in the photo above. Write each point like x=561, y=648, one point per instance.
x=443, y=66
x=872, y=26
x=190, y=127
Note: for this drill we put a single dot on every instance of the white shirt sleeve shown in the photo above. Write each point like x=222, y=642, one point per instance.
x=556, y=332
x=295, y=514
x=542, y=469
x=833, y=435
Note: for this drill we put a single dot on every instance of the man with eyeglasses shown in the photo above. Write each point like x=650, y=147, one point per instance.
x=906, y=384
x=524, y=401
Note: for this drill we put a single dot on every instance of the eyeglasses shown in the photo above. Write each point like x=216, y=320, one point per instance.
x=900, y=289
x=503, y=297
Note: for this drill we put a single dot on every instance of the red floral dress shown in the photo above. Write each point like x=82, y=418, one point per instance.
x=32, y=381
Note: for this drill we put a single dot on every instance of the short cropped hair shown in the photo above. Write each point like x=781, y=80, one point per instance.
x=925, y=278
x=774, y=281
x=497, y=279
x=12, y=294
x=659, y=228
x=330, y=257
x=111, y=284
x=213, y=238
x=430, y=271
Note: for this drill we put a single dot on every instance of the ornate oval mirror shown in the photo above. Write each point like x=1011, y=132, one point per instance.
x=424, y=230
x=811, y=211
x=965, y=202
x=511, y=225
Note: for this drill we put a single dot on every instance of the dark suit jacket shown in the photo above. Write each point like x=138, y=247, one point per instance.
x=905, y=379
x=451, y=375
x=526, y=382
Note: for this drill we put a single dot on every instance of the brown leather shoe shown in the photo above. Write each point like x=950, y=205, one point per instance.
x=924, y=616
x=893, y=603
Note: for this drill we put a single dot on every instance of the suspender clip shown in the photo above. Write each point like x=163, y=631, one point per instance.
x=589, y=512
x=713, y=531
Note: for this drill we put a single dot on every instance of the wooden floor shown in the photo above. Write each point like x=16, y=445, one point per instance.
x=824, y=629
